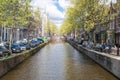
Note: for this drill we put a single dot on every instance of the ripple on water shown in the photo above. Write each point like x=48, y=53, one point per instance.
x=58, y=61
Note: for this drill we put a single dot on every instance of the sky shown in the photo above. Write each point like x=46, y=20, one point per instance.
x=55, y=9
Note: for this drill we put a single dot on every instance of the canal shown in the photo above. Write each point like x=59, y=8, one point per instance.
x=58, y=61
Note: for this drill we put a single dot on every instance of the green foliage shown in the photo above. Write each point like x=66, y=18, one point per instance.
x=50, y=28
x=84, y=14
x=118, y=5
x=37, y=17
x=14, y=13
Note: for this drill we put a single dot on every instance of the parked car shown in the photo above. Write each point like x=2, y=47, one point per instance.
x=22, y=46
x=7, y=45
x=85, y=43
x=24, y=41
x=16, y=48
x=48, y=38
x=44, y=39
x=33, y=43
x=4, y=51
x=26, y=45
x=40, y=40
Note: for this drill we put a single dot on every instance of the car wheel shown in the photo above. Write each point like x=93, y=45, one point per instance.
x=5, y=55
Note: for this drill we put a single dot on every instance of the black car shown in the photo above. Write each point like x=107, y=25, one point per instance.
x=16, y=48
x=4, y=51
x=27, y=46
x=7, y=45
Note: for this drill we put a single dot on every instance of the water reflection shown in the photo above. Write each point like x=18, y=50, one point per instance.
x=58, y=61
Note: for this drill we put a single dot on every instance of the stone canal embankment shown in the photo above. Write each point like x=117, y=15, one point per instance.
x=9, y=63
x=110, y=62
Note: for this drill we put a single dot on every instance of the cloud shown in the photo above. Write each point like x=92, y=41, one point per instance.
x=64, y=3
x=53, y=12
x=54, y=8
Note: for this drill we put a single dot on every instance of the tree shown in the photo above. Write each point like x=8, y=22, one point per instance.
x=28, y=14
x=53, y=28
x=85, y=14
x=118, y=5
x=37, y=18
x=50, y=28
x=14, y=15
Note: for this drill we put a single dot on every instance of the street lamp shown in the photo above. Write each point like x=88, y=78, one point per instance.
x=18, y=34
x=99, y=27
x=116, y=42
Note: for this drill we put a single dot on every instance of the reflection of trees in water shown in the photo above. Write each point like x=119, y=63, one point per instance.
x=56, y=39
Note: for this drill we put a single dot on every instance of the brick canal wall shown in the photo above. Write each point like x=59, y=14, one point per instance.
x=7, y=64
x=110, y=62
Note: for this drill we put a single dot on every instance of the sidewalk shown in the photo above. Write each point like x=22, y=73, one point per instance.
x=114, y=51
x=113, y=54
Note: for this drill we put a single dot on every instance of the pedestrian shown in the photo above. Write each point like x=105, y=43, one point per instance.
x=109, y=46
x=82, y=39
x=104, y=46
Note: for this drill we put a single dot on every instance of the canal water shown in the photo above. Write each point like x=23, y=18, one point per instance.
x=58, y=61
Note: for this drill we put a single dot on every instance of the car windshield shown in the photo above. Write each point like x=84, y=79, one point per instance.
x=2, y=48
x=39, y=38
x=22, y=44
x=15, y=45
x=7, y=44
x=32, y=41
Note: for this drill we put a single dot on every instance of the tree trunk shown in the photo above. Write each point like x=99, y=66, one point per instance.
x=11, y=35
x=28, y=37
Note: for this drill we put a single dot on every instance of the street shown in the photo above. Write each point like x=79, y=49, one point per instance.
x=58, y=61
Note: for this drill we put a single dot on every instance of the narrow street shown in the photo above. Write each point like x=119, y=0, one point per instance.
x=58, y=61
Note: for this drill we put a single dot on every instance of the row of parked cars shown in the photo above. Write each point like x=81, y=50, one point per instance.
x=19, y=47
